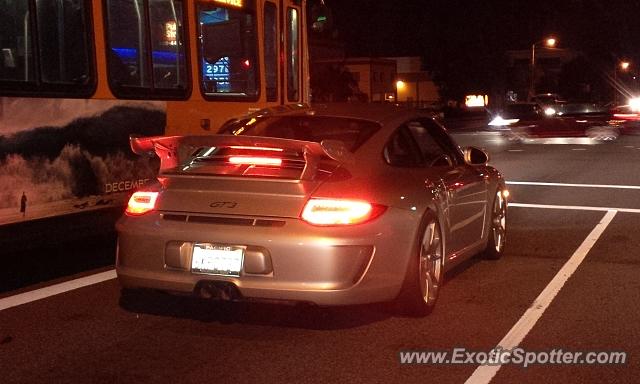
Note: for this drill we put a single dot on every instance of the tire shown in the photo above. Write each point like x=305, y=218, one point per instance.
x=425, y=273
x=498, y=228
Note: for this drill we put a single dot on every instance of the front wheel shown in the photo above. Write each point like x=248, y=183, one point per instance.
x=498, y=228
x=425, y=274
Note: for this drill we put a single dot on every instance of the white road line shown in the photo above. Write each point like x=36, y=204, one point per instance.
x=43, y=293
x=613, y=186
x=578, y=149
x=575, y=207
x=516, y=150
x=484, y=373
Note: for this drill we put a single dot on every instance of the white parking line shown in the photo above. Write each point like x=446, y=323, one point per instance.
x=613, y=186
x=575, y=207
x=43, y=293
x=484, y=373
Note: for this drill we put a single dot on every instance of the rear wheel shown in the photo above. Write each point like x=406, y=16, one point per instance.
x=425, y=274
x=498, y=231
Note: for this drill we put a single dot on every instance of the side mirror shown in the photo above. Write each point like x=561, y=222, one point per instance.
x=475, y=156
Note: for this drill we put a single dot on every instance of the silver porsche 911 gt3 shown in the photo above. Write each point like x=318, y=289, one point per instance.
x=331, y=204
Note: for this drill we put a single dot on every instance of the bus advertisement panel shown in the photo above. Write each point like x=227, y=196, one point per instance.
x=60, y=156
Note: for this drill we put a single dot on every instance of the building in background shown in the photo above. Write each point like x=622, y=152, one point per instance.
x=414, y=86
x=374, y=79
x=390, y=79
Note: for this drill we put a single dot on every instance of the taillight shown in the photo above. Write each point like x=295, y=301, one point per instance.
x=256, y=160
x=340, y=212
x=141, y=202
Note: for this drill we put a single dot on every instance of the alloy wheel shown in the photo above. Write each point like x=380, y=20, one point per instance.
x=431, y=261
x=499, y=222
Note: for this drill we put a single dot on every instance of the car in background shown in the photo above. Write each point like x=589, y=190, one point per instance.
x=530, y=122
x=548, y=99
x=332, y=205
x=627, y=119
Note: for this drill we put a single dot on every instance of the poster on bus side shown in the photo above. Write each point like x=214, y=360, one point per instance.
x=62, y=156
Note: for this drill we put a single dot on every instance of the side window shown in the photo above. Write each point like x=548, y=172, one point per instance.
x=402, y=150
x=435, y=143
x=58, y=59
x=293, y=53
x=146, y=49
x=271, y=50
x=228, y=51
x=432, y=152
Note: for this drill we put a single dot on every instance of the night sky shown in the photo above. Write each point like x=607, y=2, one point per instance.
x=468, y=38
x=399, y=27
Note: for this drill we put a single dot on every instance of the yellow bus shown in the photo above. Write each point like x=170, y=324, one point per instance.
x=77, y=77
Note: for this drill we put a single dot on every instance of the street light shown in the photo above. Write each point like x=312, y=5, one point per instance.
x=624, y=66
x=549, y=42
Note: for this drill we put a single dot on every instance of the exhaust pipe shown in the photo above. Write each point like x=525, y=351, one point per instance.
x=217, y=290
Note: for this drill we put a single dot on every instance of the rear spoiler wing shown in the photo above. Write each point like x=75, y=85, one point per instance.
x=169, y=148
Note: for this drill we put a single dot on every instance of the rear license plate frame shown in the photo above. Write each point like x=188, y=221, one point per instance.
x=217, y=259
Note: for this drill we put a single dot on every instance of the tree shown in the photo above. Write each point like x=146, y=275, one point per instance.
x=332, y=82
x=580, y=81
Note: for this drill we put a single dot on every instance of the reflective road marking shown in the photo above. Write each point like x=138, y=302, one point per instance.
x=43, y=293
x=484, y=373
x=614, y=186
x=574, y=207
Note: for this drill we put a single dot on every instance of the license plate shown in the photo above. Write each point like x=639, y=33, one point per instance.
x=216, y=259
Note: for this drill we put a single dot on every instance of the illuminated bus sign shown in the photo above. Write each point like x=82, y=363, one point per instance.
x=233, y=3
x=170, y=33
x=218, y=73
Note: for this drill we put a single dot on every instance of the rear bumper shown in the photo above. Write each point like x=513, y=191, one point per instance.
x=296, y=262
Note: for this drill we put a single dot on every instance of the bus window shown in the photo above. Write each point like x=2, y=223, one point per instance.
x=63, y=63
x=16, y=42
x=127, y=43
x=63, y=51
x=271, y=50
x=146, y=59
x=293, y=61
x=169, y=68
x=228, y=51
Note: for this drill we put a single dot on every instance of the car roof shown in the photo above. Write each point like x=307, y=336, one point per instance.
x=380, y=113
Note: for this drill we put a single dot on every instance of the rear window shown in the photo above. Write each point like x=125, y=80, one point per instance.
x=352, y=132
